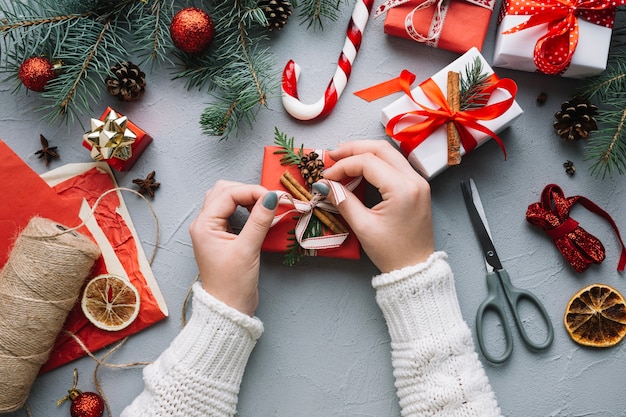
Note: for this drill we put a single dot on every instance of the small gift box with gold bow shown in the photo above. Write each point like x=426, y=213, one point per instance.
x=570, y=38
x=453, y=25
x=116, y=140
x=293, y=231
x=433, y=126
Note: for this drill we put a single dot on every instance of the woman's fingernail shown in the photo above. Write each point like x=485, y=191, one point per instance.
x=321, y=188
x=270, y=201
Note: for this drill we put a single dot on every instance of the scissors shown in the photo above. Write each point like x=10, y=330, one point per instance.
x=499, y=283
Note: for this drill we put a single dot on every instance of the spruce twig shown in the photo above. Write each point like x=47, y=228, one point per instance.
x=606, y=148
x=474, y=84
x=314, y=12
x=290, y=156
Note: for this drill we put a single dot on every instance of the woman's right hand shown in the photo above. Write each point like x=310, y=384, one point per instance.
x=398, y=231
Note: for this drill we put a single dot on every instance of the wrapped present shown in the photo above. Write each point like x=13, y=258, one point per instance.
x=570, y=38
x=418, y=122
x=454, y=25
x=116, y=140
x=341, y=243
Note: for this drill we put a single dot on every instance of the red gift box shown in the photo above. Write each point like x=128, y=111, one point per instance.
x=454, y=25
x=141, y=142
x=277, y=239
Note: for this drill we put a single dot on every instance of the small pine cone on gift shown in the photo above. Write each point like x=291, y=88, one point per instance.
x=576, y=119
x=127, y=81
x=311, y=167
x=276, y=12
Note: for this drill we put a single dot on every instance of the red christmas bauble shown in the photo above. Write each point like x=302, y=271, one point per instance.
x=87, y=404
x=35, y=72
x=192, y=30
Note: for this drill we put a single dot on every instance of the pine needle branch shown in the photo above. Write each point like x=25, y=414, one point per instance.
x=313, y=12
x=474, y=84
x=290, y=156
x=607, y=147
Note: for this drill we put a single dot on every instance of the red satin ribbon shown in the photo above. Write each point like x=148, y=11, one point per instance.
x=554, y=51
x=412, y=136
x=579, y=247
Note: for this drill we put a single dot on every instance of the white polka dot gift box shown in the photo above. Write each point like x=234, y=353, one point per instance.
x=570, y=38
x=419, y=121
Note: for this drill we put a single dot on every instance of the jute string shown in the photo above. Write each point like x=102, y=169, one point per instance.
x=39, y=285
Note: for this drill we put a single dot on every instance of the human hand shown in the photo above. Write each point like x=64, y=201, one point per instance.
x=229, y=263
x=398, y=231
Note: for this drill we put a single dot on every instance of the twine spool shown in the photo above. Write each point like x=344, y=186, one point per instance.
x=39, y=285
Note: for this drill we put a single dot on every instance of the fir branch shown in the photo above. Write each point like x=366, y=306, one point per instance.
x=608, y=83
x=87, y=54
x=290, y=157
x=153, y=19
x=474, y=83
x=237, y=69
x=607, y=147
x=295, y=252
x=312, y=12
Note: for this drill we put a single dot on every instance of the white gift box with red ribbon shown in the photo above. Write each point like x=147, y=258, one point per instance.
x=516, y=50
x=430, y=158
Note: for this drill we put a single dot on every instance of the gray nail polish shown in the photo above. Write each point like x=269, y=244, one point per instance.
x=270, y=200
x=321, y=188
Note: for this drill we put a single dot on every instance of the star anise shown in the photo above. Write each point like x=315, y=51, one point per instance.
x=46, y=152
x=147, y=185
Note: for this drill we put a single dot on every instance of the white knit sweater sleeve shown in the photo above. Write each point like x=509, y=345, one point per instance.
x=436, y=368
x=199, y=374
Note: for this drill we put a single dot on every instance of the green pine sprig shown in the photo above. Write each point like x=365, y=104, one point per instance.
x=295, y=252
x=314, y=12
x=606, y=148
x=289, y=155
x=474, y=83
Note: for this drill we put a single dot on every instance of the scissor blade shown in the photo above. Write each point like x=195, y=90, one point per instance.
x=479, y=222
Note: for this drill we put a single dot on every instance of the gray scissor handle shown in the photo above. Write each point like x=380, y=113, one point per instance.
x=514, y=295
x=494, y=303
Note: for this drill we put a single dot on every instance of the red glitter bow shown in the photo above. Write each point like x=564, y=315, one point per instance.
x=578, y=247
x=554, y=50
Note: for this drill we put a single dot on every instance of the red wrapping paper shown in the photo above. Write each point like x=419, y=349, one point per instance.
x=277, y=238
x=464, y=26
x=125, y=252
x=138, y=146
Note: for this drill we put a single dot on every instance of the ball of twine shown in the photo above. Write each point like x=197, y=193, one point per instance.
x=39, y=285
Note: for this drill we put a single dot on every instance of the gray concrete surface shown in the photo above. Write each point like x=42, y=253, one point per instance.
x=325, y=350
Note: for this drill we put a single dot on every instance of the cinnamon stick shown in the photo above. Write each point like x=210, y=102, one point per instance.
x=301, y=193
x=454, y=101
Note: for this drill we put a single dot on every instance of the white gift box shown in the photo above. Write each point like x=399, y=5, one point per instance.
x=430, y=158
x=516, y=50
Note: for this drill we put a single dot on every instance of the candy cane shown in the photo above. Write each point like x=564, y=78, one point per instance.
x=324, y=105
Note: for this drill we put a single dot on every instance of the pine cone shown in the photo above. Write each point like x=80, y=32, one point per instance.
x=311, y=168
x=127, y=81
x=576, y=119
x=276, y=11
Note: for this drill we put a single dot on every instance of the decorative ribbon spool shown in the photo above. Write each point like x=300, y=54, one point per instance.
x=39, y=285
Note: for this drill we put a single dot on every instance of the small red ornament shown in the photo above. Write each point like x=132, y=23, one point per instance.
x=84, y=404
x=192, y=30
x=35, y=72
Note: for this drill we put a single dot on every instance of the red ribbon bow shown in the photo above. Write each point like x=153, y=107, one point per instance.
x=412, y=136
x=554, y=50
x=579, y=247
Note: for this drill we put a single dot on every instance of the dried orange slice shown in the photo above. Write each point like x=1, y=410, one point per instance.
x=110, y=302
x=596, y=316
